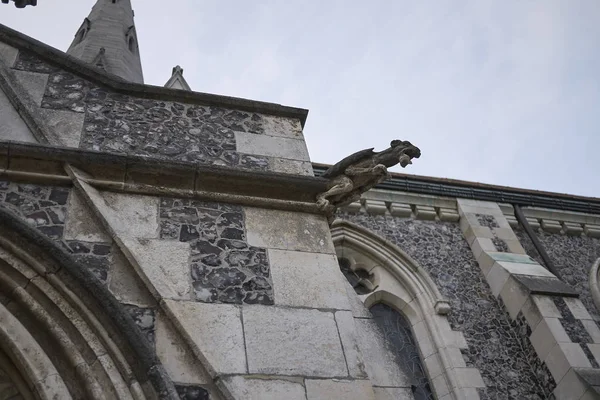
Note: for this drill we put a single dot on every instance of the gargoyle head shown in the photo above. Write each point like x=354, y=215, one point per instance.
x=401, y=152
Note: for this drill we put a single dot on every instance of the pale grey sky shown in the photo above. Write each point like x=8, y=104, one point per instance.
x=504, y=92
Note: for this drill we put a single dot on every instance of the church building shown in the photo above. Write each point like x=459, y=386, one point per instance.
x=162, y=243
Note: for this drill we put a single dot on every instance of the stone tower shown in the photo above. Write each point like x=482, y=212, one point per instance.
x=107, y=39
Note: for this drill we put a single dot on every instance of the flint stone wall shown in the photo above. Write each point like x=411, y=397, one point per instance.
x=572, y=256
x=493, y=341
x=125, y=124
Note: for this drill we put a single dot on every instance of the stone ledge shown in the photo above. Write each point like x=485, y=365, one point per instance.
x=545, y=285
x=98, y=76
x=136, y=174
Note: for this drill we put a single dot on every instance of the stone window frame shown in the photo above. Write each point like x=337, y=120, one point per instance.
x=82, y=32
x=402, y=284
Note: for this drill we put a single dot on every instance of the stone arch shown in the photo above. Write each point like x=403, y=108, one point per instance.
x=62, y=334
x=399, y=282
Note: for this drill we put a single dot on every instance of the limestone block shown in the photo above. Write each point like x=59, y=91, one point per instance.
x=468, y=378
x=13, y=127
x=515, y=247
x=475, y=231
x=546, y=335
x=8, y=54
x=514, y=296
x=65, y=126
x=592, y=230
x=565, y=356
x=271, y=146
x=400, y=210
x=577, y=308
x=326, y=389
x=283, y=127
x=433, y=365
x=572, y=228
x=164, y=266
x=380, y=364
x=486, y=261
x=127, y=214
x=594, y=349
x=512, y=221
x=81, y=224
x=286, y=166
x=533, y=222
x=214, y=332
x=287, y=230
x=309, y=280
x=571, y=387
x=448, y=214
x=440, y=386
x=292, y=342
x=33, y=83
x=352, y=207
x=549, y=225
x=263, y=389
x=358, y=307
x=347, y=330
x=124, y=283
x=525, y=269
x=375, y=207
x=425, y=212
x=497, y=278
x=592, y=329
x=481, y=244
x=175, y=355
x=393, y=393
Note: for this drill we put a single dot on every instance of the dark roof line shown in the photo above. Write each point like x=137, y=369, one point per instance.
x=480, y=191
x=100, y=77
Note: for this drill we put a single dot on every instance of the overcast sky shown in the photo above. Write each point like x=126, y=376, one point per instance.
x=504, y=92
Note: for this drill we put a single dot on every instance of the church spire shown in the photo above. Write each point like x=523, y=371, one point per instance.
x=107, y=38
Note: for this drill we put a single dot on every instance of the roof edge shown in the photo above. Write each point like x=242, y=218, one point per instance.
x=100, y=77
x=482, y=191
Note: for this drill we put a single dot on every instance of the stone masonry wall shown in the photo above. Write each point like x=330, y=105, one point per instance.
x=493, y=340
x=124, y=124
x=573, y=256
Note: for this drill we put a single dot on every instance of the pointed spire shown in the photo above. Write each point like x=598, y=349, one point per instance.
x=108, y=37
x=177, y=81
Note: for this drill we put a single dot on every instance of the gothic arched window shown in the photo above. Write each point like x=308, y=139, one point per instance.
x=400, y=341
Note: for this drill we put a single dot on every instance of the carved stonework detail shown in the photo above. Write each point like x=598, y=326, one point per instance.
x=361, y=171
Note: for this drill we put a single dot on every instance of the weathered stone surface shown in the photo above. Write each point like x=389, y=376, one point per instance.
x=326, y=389
x=307, y=280
x=283, y=127
x=293, y=231
x=145, y=319
x=393, y=393
x=81, y=224
x=13, y=127
x=8, y=54
x=224, y=269
x=33, y=83
x=286, y=166
x=263, y=389
x=293, y=342
x=262, y=145
x=381, y=365
x=186, y=392
x=164, y=264
x=125, y=284
x=215, y=330
x=175, y=355
x=65, y=126
x=441, y=249
x=348, y=335
x=129, y=214
x=573, y=256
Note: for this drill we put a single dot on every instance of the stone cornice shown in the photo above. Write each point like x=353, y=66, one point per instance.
x=100, y=77
x=133, y=174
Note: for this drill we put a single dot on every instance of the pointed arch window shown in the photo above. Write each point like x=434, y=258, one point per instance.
x=131, y=38
x=82, y=32
x=405, y=337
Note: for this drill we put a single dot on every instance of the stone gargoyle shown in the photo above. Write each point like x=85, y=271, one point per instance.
x=359, y=172
x=22, y=3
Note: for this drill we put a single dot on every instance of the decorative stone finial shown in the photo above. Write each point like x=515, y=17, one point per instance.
x=177, y=70
x=22, y=3
x=359, y=172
